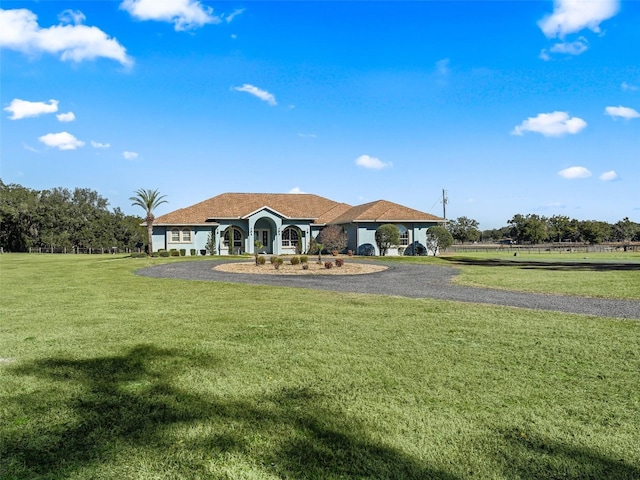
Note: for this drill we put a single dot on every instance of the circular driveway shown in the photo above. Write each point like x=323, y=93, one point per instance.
x=404, y=280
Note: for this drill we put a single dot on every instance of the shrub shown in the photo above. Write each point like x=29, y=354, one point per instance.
x=164, y=253
x=339, y=262
x=261, y=261
x=400, y=250
x=183, y=252
x=328, y=264
x=305, y=266
x=273, y=260
x=277, y=263
x=192, y=252
x=387, y=235
x=295, y=260
x=138, y=255
x=175, y=253
x=304, y=259
x=333, y=238
x=350, y=253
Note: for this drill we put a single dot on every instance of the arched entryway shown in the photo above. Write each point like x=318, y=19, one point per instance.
x=264, y=231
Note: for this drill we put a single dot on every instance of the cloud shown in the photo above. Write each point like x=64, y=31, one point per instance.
x=72, y=40
x=23, y=108
x=61, y=141
x=129, y=155
x=555, y=124
x=442, y=67
x=571, y=48
x=570, y=16
x=66, y=117
x=229, y=17
x=367, y=161
x=572, y=173
x=626, y=87
x=99, y=145
x=609, y=176
x=307, y=135
x=257, y=92
x=296, y=190
x=184, y=14
x=622, y=112
x=544, y=55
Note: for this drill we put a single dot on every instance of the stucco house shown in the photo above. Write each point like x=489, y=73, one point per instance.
x=284, y=223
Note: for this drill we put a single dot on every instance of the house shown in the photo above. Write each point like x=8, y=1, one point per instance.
x=284, y=223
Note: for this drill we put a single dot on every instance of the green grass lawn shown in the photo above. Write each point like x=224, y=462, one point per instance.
x=104, y=374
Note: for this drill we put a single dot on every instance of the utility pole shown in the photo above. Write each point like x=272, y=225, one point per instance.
x=444, y=205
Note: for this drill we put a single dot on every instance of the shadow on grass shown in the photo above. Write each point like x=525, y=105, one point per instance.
x=533, y=457
x=545, y=265
x=98, y=413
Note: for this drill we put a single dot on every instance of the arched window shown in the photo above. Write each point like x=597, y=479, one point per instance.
x=290, y=237
x=237, y=237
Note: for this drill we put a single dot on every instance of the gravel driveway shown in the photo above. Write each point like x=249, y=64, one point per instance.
x=405, y=280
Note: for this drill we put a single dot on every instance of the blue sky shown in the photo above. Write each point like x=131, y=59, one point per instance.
x=510, y=106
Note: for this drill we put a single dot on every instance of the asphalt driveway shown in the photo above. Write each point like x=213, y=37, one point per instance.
x=404, y=280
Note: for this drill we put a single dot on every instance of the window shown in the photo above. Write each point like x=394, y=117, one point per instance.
x=290, y=237
x=237, y=238
x=404, y=235
x=179, y=235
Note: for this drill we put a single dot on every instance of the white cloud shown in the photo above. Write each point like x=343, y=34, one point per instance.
x=307, y=135
x=572, y=173
x=184, y=14
x=570, y=16
x=61, y=141
x=622, y=112
x=72, y=40
x=66, y=117
x=129, y=155
x=571, y=48
x=553, y=124
x=367, y=161
x=544, y=55
x=99, y=145
x=442, y=67
x=609, y=176
x=229, y=17
x=627, y=87
x=257, y=92
x=24, y=108
x=296, y=190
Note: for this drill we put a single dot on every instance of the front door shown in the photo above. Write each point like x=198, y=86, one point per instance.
x=264, y=235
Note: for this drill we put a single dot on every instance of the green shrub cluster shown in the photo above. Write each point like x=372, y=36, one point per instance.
x=304, y=259
x=192, y=252
x=295, y=260
x=261, y=260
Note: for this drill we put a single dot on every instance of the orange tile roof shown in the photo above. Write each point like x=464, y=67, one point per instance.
x=239, y=205
x=384, y=211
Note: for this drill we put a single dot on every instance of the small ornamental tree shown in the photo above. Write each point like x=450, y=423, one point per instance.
x=333, y=238
x=387, y=235
x=257, y=246
x=438, y=238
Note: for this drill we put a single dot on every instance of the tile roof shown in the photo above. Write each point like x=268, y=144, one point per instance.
x=384, y=211
x=239, y=205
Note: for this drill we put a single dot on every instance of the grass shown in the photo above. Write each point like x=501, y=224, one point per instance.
x=104, y=374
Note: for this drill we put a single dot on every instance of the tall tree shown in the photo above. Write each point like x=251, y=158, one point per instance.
x=464, y=229
x=148, y=200
x=387, y=235
x=438, y=238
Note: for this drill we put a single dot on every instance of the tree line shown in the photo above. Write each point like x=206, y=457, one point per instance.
x=63, y=218
x=535, y=229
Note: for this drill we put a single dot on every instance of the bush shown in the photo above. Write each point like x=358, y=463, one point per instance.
x=164, y=253
x=304, y=259
x=138, y=255
x=333, y=238
x=305, y=266
x=277, y=263
x=261, y=261
x=183, y=252
x=350, y=253
x=387, y=235
x=295, y=260
x=175, y=253
x=192, y=252
x=273, y=259
x=328, y=265
x=339, y=262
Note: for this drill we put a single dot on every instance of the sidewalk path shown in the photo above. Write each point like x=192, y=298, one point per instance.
x=405, y=280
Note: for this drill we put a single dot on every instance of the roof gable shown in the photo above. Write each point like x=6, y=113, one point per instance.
x=384, y=211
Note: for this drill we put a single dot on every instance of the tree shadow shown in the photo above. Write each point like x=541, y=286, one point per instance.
x=95, y=411
x=533, y=457
x=545, y=265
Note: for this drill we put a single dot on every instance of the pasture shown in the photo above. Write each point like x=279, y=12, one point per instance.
x=105, y=374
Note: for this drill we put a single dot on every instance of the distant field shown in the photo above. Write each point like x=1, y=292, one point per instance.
x=105, y=374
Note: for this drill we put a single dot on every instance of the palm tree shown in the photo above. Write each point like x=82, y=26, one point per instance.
x=148, y=200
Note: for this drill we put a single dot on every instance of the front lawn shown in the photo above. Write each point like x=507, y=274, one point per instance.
x=105, y=374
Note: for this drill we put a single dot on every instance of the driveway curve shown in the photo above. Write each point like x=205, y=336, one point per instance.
x=405, y=280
